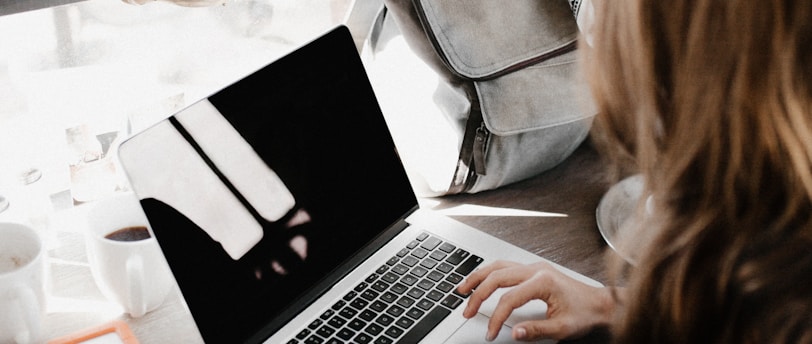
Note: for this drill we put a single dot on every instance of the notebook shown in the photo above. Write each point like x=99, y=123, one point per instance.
x=286, y=216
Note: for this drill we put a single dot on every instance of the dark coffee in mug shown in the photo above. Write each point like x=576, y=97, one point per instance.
x=134, y=233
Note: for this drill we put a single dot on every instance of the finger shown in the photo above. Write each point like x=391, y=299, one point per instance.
x=476, y=277
x=528, y=290
x=474, y=280
x=542, y=329
x=501, y=278
x=538, y=286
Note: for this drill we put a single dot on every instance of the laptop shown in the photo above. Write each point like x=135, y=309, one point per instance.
x=286, y=216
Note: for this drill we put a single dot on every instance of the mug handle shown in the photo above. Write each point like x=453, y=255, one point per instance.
x=135, y=286
x=31, y=327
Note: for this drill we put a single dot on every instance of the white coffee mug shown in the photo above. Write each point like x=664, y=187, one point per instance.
x=132, y=272
x=22, y=286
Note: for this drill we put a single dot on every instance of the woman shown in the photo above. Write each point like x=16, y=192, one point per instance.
x=712, y=102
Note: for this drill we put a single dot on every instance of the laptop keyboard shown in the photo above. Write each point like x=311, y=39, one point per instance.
x=401, y=302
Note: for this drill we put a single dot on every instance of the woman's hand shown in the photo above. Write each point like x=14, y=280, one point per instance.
x=573, y=308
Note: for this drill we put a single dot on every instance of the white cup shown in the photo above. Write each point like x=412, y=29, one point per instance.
x=132, y=273
x=22, y=286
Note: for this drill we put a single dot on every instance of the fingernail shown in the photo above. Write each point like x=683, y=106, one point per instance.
x=521, y=333
x=490, y=337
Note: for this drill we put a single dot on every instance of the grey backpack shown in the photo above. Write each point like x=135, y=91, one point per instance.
x=506, y=84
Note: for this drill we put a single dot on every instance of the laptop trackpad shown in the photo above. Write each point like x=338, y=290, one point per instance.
x=473, y=331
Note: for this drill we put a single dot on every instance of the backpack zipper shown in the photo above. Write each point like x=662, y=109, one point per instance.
x=480, y=144
x=471, y=162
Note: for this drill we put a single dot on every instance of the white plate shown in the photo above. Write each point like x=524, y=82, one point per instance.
x=614, y=212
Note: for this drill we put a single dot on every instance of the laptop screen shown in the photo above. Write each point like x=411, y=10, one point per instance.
x=258, y=192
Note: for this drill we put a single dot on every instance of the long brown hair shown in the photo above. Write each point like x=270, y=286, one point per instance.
x=711, y=101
